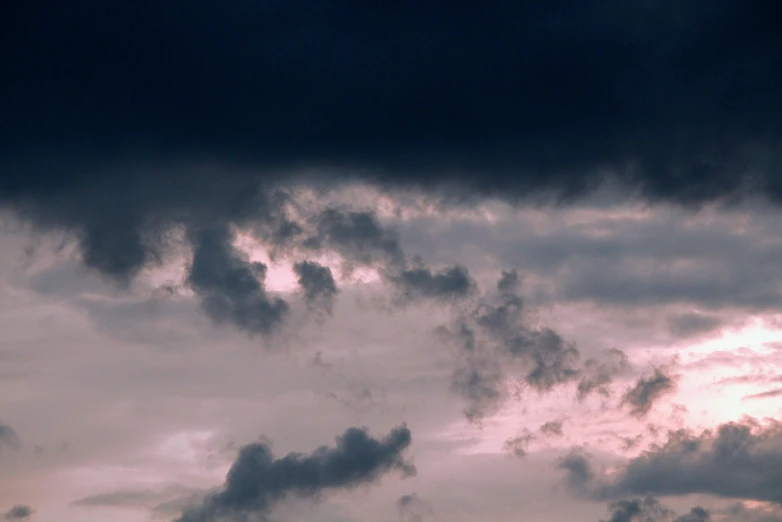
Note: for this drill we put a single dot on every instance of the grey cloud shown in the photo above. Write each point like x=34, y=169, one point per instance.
x=421, y=282
x=629, y=443
x=599, y=373
x=120, y=154
x=256, y=481
x=496, y=342
x=647, y=509
x=19, y=512
x=318, y=284
x=752, y=378
x=696, y=514
x=641, y=397
x=8, y=437
x=361, y=239
x=738, y=460
x=650, y=509
x=518, y=445
x=413, y=508
x=231, y=288
x=709, y=265
x=764, y=395
x=479, y=379
x=692, y=324
x=134, y=498
x=357, y=235
x=125, y=498
x=578, y=468
x=738, y=512
x=552, y=428
x=494, y=333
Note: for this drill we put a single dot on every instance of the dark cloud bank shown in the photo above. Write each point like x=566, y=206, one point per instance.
x=122, y=120
x=257, y=481
x=680, y=97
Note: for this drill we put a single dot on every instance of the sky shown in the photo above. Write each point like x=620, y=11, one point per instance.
x=335, y=261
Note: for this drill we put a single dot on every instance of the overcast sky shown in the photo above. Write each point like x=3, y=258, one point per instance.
x=333, y=261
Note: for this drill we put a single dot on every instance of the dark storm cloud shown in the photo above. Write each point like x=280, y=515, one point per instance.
x=19, y=512
x=740, y=460
x=317, y=282
x=232, y=288
x=641, y=397
x=256, y=481
x=8, y=437
x=121, y=120
x=535, y=96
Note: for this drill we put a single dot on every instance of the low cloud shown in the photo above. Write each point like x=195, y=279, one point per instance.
x=257, y=481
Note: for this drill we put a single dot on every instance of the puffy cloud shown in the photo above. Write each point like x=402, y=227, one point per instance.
x=641, y=397
x=318, y=284
x=19, y=512
x=256, y=480
x=739, y=460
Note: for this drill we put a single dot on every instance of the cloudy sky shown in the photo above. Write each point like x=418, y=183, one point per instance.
x=334, y=261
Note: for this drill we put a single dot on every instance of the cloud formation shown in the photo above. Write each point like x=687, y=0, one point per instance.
x=231, y=287
x=413, y=95
x=650, y=509
x=739, y=460
x=413, y=508
x=318, y=284
x=496, y=342
x=8, y=437
x=256, y=480
x=18, y=513
x=641, y=397
x=251, y=100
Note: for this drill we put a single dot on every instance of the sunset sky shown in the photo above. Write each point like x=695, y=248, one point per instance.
x=335, y=261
